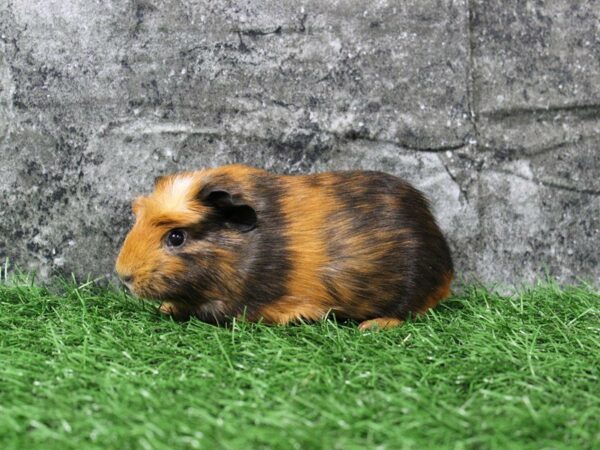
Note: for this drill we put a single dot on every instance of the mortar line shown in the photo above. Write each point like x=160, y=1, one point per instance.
x=470, y=77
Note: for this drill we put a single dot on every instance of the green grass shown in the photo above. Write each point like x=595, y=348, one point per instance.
x=90, y=368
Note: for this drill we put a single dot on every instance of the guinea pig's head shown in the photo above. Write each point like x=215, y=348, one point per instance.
x=188, y=239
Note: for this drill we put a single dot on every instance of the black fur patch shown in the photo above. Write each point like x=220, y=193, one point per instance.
x=412, y=260
x=262, y=261
x=268, y=261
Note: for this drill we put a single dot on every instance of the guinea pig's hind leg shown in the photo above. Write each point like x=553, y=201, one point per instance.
x=174, y=310
x=380, y=323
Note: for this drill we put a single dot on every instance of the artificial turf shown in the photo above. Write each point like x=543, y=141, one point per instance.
x=86, y=367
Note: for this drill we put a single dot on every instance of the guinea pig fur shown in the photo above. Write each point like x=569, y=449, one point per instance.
x=236, y=241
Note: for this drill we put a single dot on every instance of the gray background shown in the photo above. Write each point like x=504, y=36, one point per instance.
x=491, y=108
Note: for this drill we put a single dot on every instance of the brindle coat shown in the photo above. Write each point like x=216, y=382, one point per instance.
x=280, y=248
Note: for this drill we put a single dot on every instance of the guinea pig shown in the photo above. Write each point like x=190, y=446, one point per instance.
x=240, y=242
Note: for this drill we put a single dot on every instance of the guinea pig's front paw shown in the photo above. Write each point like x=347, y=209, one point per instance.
x=380, y=323
x=174, y=310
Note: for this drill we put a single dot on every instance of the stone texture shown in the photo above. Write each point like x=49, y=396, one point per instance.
x=492, y=110
x=536, y=100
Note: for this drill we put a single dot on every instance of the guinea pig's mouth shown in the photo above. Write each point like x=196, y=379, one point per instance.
x=147, y=296
x=150, y=294
x=140, y=292
x=129, y=286
x=155, y=290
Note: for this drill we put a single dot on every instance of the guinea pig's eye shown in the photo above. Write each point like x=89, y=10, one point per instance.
x=175, y=238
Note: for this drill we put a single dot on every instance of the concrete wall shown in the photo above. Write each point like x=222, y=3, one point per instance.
x=491, y=108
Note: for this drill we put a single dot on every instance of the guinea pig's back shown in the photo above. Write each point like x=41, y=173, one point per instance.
x=363, y=244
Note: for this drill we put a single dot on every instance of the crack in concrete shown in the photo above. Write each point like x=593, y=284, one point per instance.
x=302, y=28
x=463, y=191
x=551, y=184
x=470, y=69
x=354, y=135
x=583, y=111
x=174, y=128
x=253, y=32
x=519, y=152
x=170, y=128
x=279, y=29
x=404, y=145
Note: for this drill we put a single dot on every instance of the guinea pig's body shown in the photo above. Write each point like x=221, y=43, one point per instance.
x=237, y=241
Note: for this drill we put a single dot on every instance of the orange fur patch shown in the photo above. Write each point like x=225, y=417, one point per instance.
x=172, y=204
x=380, y=323
x=291, y=309
x=440, y=294
x=307, y=297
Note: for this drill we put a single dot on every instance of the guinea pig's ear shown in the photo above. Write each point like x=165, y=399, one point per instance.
x=232, y=208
